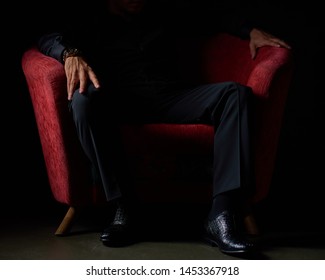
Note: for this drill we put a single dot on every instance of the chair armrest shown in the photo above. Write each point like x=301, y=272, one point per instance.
x=63, y=156
x=227, y=58
x=40, y=69
x=269, y=63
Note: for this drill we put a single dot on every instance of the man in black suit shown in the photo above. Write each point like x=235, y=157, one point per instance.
x=119, y=68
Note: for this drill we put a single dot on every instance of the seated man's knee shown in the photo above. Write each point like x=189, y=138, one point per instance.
x=82, y=103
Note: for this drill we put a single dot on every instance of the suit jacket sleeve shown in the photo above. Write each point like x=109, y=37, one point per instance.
x=52, y=45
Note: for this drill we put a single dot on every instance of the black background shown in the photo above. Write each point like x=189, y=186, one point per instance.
x=298, y=185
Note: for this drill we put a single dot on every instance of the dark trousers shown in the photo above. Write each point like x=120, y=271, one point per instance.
x=226, y=106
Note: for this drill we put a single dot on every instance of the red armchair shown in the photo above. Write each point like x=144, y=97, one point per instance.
x=159, y=153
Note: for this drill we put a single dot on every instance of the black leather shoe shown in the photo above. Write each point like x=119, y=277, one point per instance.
x=222, y=232
x=120, y=231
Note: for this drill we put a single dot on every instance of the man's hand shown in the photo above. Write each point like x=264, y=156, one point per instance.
x=78, y=72
x=260, y=38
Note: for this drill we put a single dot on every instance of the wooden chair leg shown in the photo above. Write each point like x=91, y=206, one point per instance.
x=65, y=225
x=251, y=225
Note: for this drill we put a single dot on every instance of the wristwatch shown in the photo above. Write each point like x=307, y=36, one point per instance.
x=68, y=52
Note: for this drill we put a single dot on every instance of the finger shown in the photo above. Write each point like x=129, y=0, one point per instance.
x=82, y=82
x=252, y=49
x=276, y=42
x=283, y=44
x=93, y=78
x=70, y=92
x=69, y=89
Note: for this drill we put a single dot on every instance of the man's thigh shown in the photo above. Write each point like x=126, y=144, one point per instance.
x=200, y=104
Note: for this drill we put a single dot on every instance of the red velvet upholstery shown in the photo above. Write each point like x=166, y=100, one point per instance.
x=158, y=151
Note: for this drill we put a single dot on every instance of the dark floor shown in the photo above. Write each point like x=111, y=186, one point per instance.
x=29, y=235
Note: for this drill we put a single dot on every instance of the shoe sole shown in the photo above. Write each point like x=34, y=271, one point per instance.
x=213, y=243
x=117, y=244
